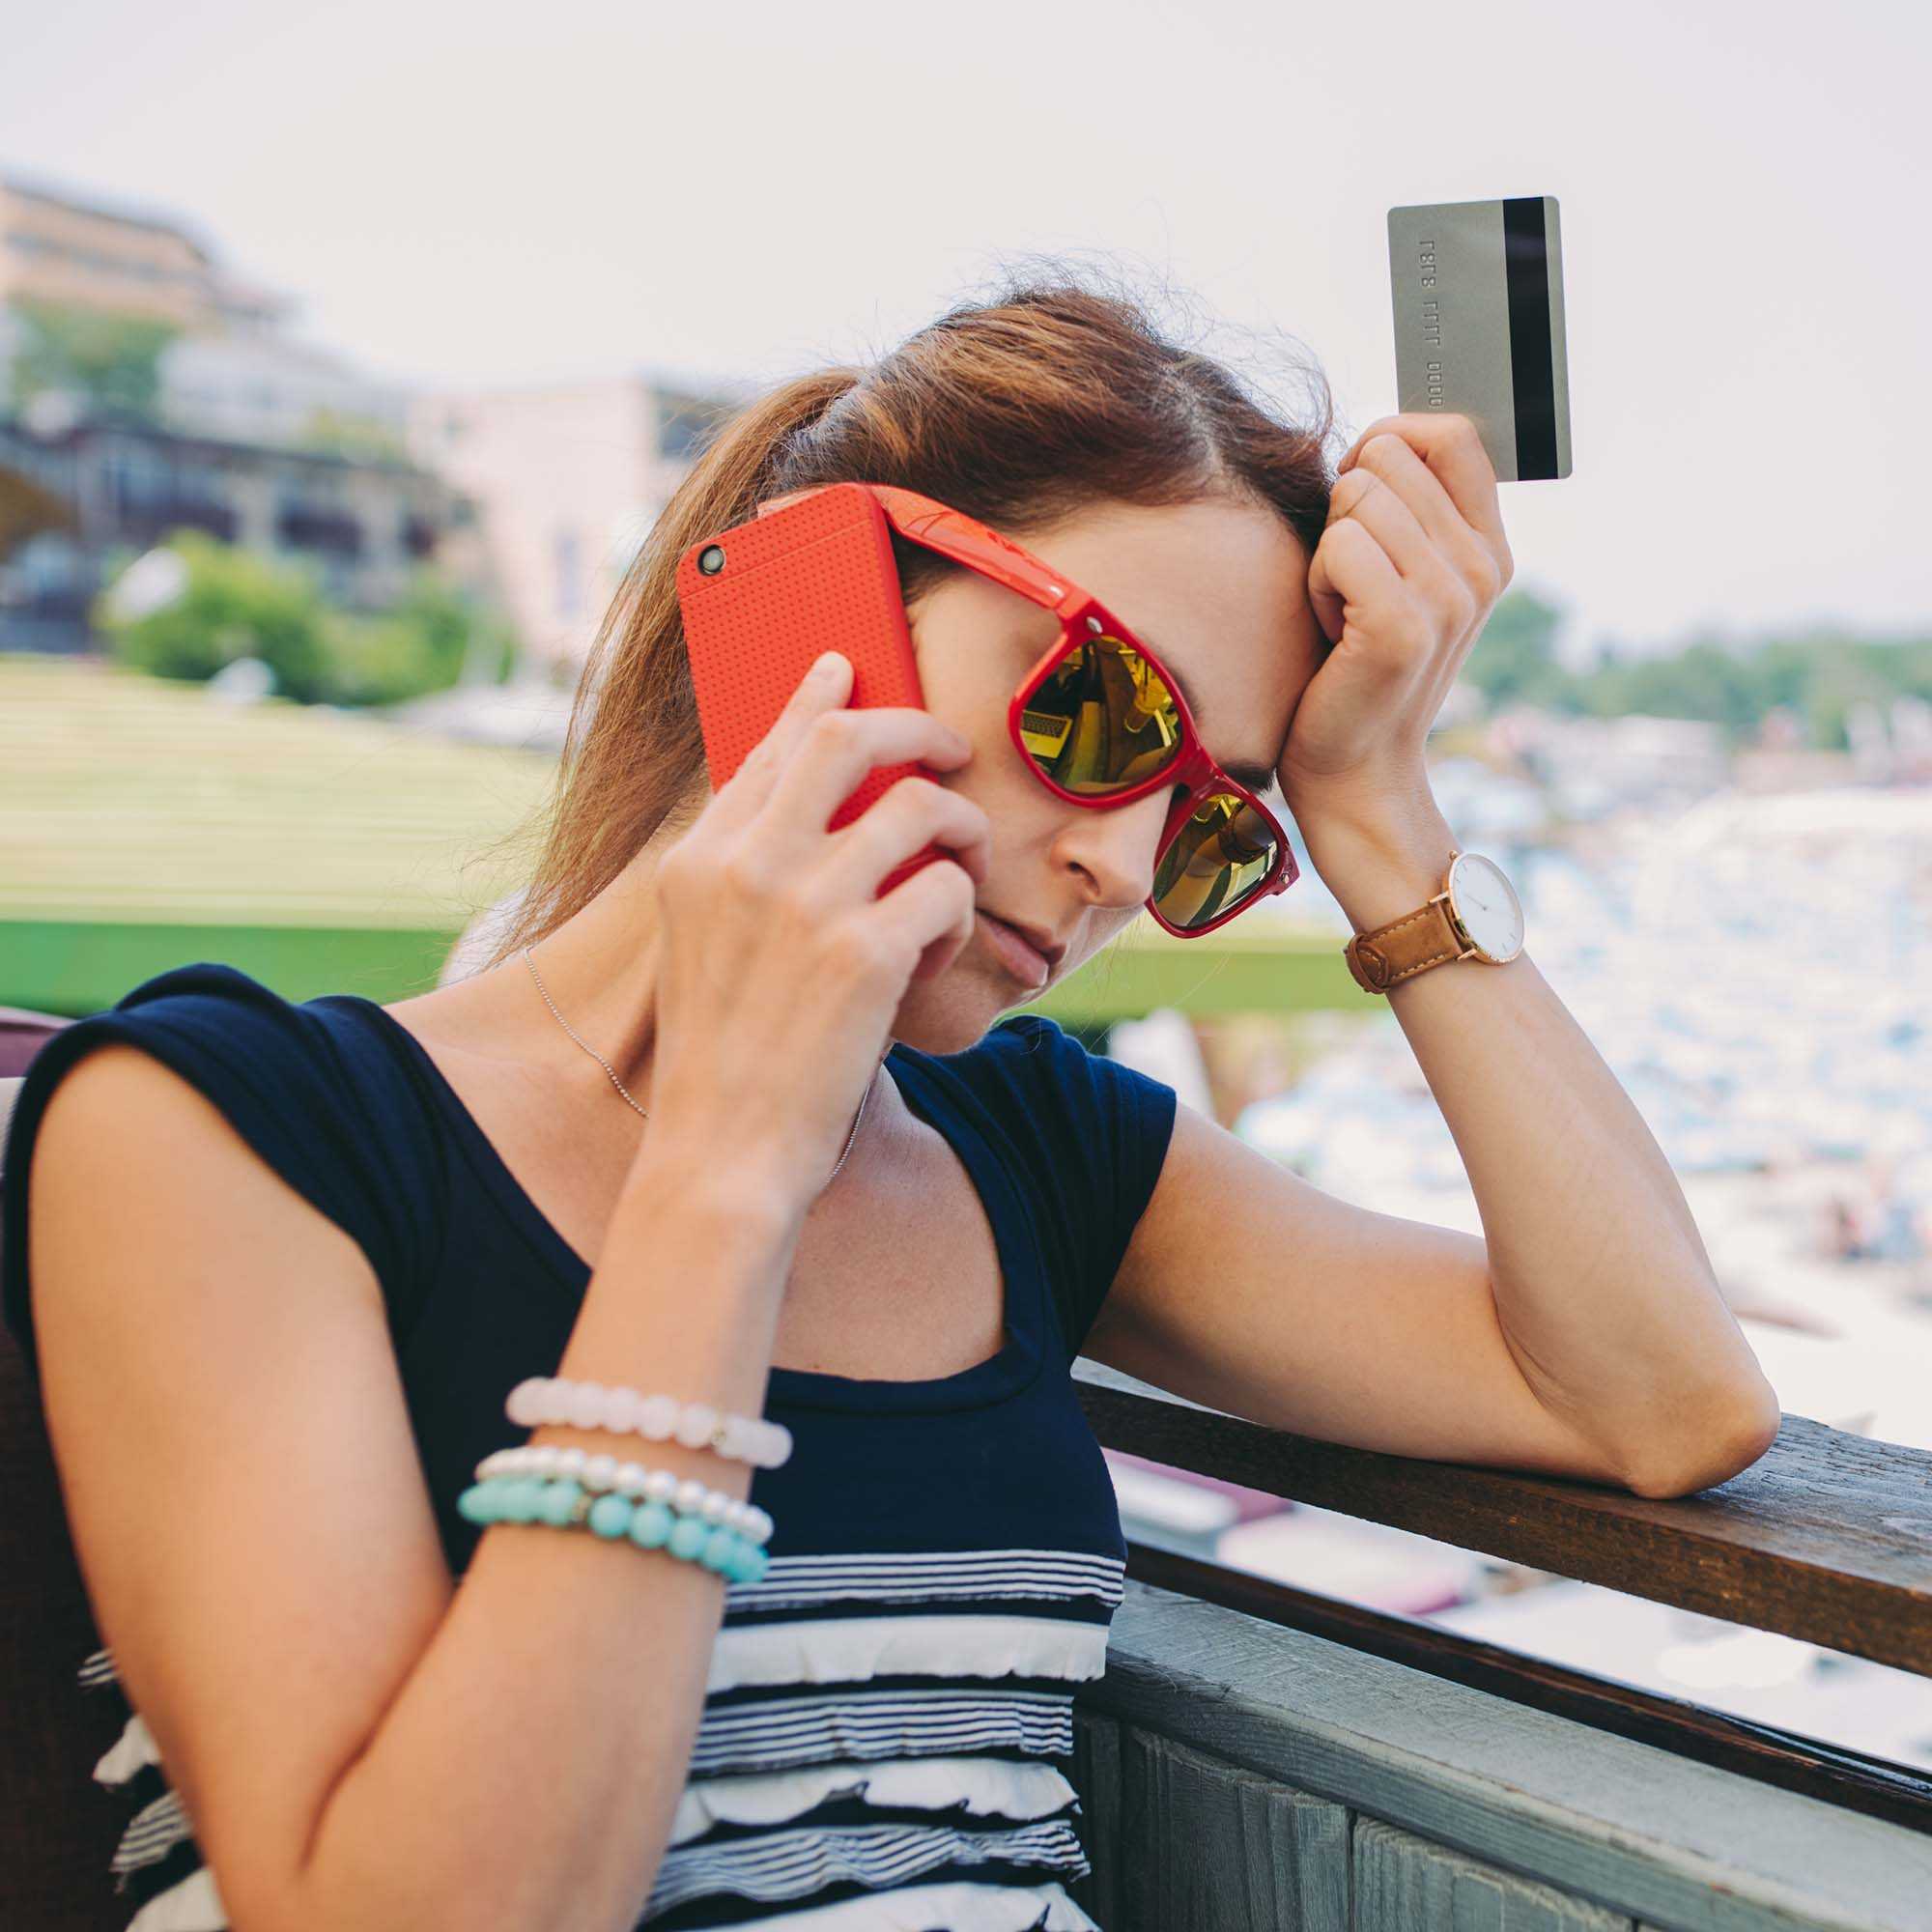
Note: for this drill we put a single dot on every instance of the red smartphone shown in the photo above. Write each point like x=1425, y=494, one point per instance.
x=763, y=598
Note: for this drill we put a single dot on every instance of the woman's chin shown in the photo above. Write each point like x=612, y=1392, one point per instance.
x=953, y=1009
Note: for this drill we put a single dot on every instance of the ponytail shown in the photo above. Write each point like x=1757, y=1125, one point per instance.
x=633, y=756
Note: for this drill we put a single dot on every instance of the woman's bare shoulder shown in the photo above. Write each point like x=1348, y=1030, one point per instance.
x=225, y=1407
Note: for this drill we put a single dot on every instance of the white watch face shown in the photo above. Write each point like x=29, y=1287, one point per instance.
x=1487, y=904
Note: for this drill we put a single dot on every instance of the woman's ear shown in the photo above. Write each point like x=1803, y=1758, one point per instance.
x=772, y=503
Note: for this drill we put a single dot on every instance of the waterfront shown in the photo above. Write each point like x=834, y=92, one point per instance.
x=1757, y=969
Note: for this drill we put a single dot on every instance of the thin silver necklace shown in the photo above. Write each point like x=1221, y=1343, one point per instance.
x=621, y=1089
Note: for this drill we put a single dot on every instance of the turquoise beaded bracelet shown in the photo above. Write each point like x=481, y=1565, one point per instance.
x=566, y=1504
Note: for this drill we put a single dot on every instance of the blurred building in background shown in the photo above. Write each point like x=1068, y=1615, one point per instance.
x=65, y=249
x=224, y=359
x=145, y=388
x=125, y=483
x=567, y=478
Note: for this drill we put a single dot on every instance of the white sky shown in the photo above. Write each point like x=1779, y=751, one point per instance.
x=497, y=193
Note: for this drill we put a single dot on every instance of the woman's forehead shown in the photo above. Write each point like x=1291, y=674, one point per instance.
x=1217, y=589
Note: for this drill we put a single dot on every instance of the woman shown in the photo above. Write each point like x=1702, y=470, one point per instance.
x=719, y=1126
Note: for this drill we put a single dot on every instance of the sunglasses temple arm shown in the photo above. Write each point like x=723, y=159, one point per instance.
x=953, y=536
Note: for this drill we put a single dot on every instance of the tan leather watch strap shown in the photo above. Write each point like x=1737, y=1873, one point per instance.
x=1405, y=946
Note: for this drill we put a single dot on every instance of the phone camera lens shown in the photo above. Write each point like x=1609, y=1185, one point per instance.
x=711, y=559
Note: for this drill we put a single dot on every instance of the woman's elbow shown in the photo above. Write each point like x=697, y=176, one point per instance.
x=1722, y=1455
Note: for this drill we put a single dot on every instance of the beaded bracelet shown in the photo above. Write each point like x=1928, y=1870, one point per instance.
x=565, y=1504
x=662, y=1418
x=549, y=1460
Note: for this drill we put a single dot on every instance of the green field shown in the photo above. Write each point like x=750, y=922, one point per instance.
x=145, y=824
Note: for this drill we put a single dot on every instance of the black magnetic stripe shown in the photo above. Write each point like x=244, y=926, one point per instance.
x=1532, y=376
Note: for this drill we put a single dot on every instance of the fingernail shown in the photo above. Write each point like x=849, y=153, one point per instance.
x=827, y=663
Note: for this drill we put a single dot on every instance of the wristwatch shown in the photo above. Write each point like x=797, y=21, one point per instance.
x=1475, y=916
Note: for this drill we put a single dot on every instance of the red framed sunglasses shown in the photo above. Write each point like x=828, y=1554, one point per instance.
x=1101, y=721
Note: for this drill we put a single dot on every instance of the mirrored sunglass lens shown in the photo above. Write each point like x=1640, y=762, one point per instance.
x=1220, y=857
x=1101, y=721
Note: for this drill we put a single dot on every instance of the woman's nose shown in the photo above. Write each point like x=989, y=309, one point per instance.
x=1117, y=847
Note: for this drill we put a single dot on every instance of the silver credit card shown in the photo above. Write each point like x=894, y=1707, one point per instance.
x=1478, y=288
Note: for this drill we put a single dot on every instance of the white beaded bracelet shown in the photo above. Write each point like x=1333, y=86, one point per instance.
x=596, y=1473
x=661, y=1418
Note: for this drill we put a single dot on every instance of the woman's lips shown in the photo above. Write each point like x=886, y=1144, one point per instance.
x=1022, y=960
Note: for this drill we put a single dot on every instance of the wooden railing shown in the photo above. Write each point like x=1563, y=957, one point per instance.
x=1827, y=1537
x=1260, y=1757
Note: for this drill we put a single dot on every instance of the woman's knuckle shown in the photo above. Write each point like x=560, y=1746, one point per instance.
x=1360, y=483
x=930, y=801
x=1459, y=598
x=825, y=734
x=850, y=949
x=1475, y=564
x=797, y=895
x=742, y=870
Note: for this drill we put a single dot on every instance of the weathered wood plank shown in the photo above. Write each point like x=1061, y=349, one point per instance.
x=1206, y=1846
x=1097, y=1777
x=1820, y=1768
x=1405, y=1880
x=1827, y=1537
x=1619, y=1824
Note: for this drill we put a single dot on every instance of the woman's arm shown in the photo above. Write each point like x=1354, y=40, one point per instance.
x=361, y=1742
x=1595, y=1286
x=1603, y=1286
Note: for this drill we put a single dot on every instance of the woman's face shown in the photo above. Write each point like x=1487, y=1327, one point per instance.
x=1217, y=589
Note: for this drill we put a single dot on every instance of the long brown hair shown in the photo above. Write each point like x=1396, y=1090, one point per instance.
x=1044, y=399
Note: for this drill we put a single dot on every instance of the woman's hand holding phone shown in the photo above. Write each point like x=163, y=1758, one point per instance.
x=779, y=967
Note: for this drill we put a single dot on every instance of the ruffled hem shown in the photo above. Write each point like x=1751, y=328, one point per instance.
x=133, y=1751
x=972, y=1576
x=936, y=1907
x=151, y=1833
x=793, y=1731
x=985, y=1786
x=194, y=1905
x=783, y=1867
x=845, y=1650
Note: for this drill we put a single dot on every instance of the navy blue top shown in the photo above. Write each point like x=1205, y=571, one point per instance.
x=886, y=1705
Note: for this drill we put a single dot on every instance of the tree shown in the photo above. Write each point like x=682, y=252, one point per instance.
x=362, y=438
x=1817, y=677
x=232, y=604
x=422, y=645
x=1514, y=661
x=113, y=360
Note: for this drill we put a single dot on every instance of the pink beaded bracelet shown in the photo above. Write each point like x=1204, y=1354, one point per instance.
x=660, y=1418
